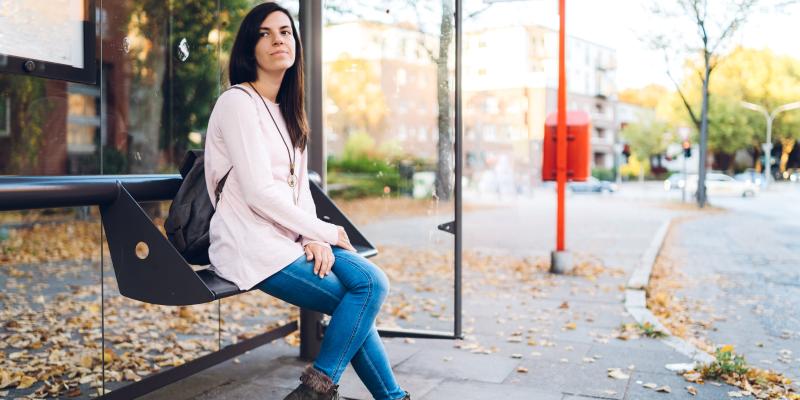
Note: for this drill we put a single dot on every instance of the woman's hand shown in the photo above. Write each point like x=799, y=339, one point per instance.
x=322, y=256
x=344, y=241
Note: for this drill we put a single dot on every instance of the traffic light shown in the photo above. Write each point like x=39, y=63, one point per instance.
x=687, y=149
x=626, y=151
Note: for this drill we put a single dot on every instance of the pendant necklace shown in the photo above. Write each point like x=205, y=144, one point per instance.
x=291, y=180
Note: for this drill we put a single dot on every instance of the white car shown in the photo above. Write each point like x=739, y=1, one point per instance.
x=723, y=185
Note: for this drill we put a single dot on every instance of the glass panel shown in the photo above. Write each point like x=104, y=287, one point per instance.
x=49, y=259
x=389, y=127
x=504, y=97
x=161, y=76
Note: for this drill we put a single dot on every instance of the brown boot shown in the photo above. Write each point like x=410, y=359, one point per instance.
x=314, y=385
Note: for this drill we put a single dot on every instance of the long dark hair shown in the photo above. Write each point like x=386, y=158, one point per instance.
x=243, y=67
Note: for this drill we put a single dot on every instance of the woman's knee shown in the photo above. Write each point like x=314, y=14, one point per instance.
x=382, y=285
x=373, y=277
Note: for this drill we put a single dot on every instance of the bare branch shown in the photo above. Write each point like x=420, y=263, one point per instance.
x=686, y=104
x=738, y=19
x=421, y=37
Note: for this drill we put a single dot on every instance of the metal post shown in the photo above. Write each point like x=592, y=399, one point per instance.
x=560, y=261
x=459, y=160
x=311, y=36
x=767, y=147
x=561, y=131
x=685, y=180
x=768, y=151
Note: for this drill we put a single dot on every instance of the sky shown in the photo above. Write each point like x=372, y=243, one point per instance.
x=619, y=24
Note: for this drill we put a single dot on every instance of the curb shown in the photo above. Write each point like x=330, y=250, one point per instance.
x=636, y=302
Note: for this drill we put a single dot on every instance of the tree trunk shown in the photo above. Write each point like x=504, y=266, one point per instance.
x=787, y=145
x=701, y=179
x=444, y=147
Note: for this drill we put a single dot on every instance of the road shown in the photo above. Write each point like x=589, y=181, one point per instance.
x=744, y=271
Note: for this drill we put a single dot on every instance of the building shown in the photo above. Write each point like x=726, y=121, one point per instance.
x=506, y=94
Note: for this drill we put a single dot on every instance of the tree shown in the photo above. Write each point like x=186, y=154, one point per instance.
x=715, y=22
x=649, y=96
x=756, y=76
x=647, y=138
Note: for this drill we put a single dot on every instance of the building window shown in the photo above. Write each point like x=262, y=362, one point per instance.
x=599, y=160
x=491, y=105
x=5, y=116
x=601, y=133
x=401, y=77
x=83, y=119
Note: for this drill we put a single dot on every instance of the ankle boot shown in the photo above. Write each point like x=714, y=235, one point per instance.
x=314, y=385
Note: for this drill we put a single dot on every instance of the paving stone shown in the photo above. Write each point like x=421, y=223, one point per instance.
x=458, y=364
x=570, y=377
x=643, y=360
x=351, y=386
x=468, y=390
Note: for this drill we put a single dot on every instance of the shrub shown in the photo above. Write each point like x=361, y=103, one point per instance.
x=603, y=174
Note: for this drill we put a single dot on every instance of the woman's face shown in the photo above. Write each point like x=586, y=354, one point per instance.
x=275, y=47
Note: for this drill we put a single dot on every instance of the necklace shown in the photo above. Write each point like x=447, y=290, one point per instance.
x=291, y=180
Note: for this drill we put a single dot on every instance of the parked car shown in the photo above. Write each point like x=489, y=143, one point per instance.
x=720, y=184
x=592, y=185
x=674, y=182
x=750, y=175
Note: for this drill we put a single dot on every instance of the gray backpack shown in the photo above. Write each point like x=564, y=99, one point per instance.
x=190, y=213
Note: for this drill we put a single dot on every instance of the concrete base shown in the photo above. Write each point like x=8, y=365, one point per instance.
x=561, y=262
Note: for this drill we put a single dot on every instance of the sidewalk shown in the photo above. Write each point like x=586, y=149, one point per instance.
x=529, y=334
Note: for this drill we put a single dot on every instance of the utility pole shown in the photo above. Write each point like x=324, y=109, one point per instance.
x=767, y=146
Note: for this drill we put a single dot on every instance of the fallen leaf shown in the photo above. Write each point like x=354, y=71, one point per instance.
x=664, y=389
x=617, y=373
x=691, y=390
x=26, y=382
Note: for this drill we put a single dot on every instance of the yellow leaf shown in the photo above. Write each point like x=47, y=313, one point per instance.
x=26, y=382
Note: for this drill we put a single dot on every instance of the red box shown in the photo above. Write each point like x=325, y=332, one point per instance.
x=579, y=147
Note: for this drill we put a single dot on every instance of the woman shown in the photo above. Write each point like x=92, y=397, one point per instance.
x=265, y=232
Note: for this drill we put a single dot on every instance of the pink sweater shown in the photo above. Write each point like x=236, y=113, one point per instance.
x=257, y=229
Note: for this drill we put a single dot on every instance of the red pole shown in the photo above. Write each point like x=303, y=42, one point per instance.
x=561, y=130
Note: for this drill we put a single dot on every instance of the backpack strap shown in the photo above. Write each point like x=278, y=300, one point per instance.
x=221, y=183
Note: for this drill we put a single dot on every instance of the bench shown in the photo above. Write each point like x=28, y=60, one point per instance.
x=146, y=265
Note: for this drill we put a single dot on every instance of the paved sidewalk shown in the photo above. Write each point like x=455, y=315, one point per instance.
x=530, y=335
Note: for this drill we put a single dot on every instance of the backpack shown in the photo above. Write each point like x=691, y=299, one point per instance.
x=190, y=214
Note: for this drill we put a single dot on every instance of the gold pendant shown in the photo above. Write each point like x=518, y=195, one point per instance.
x=292, y=181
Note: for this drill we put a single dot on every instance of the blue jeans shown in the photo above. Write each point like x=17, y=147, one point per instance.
x=352, y=295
